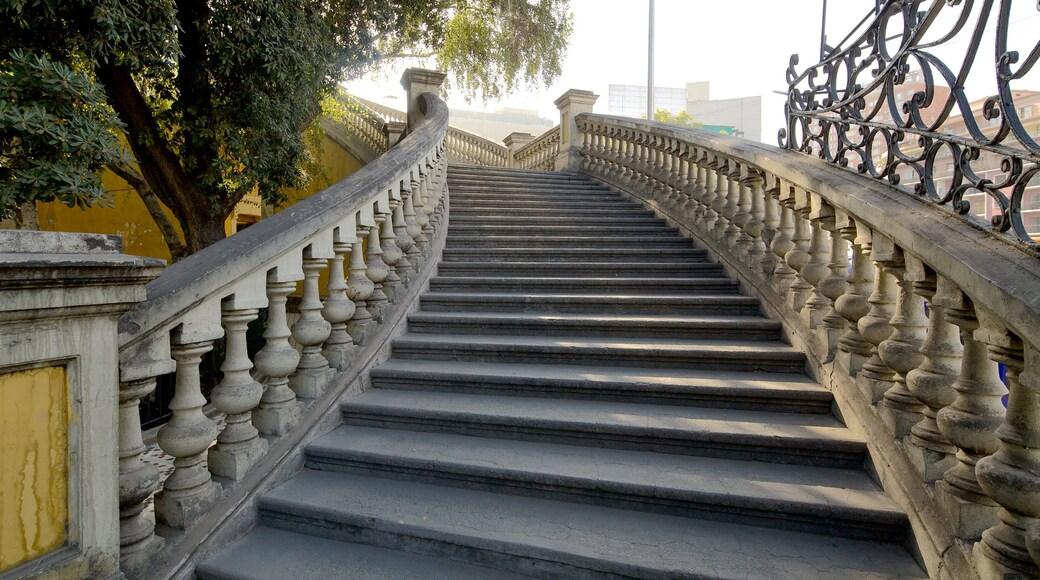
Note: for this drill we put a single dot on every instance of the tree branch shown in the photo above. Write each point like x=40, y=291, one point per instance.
x=173, y=241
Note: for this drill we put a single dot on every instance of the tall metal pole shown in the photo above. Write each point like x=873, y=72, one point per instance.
x=650, y=68
x=823, y=32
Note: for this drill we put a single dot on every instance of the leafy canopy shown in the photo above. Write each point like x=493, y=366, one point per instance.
x=682, y=118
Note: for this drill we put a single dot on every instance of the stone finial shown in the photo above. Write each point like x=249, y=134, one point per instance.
x=415, y=82
x=571, y=104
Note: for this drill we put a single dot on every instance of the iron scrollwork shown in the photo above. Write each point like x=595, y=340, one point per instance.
x=850, y=108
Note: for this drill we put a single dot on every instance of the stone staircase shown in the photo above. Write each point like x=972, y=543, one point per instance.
x=582, y=394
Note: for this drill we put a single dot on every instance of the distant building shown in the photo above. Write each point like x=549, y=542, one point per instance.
x=740, y=116
x=495, y=126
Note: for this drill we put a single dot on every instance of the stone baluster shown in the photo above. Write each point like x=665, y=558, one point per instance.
x=138, y=479
x=821, y=219
x=359, y=288
x=676, y=175
x=901, y=351
x=798, y=257
x=311, y=329
x=377, y=270
x=932, y=382
x=875, y=378
x=338, y=308
x=694, y=183
x=731, y=232
x=628, y=158
x=783, y=242
x=752, y=227
x=409, y=263
x=392, y=254
x=970, y=421
x=1011, y=475
x=718, y=202
x=189, y=491
x=425, y=217
x=741, y=238
x=279, y=411
x=770, y=228
x=709, y=216
x=853, y=349
x=414, y=215
x=834, y=285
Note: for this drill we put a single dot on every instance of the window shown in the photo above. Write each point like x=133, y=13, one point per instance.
x=1031, y=201
x=1032, y=224
x=1025, y=112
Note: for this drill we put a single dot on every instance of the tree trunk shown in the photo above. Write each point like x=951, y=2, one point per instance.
x=201, y=230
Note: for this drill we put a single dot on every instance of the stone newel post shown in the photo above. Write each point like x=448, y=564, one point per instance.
x=514, y=142
x=571, y=104
x=417, y=81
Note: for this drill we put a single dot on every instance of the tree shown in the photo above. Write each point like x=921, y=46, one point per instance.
x=213, y=97
x=682, y=119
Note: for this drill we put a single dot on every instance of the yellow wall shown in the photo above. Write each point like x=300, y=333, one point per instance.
x=130, y=218
x=33, y=464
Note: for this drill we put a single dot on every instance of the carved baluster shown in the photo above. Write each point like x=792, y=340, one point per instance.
x=239, y=445
x=279, y=411
x=741, y=237
x=853, y=349
x=189, y=491
x=392, y=254
x=414, y=214
x=901, y=351
x=407, y=265
x=1011, y=476
x=798, y=257
x=752, y=227
x=816, y=267
x=138, y=480
x=710, y=192
x=932, y=382
x=377, y=270
x=770, y=226
x=425, y=216
x=783, y=243
x=338, y=307
x=718, y=203
x=694, y=183
x=310, y=330
x=731, y=232
x=876, y=377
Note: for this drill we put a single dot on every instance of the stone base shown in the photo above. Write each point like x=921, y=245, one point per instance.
x=311, y=383
x=137, y=561
x=234, y=461
x=340, y=358
x=183, y=508
x=992, y=566
x=849, y=362
x=276, y=421
x=967, y=519
x=872, y=389
x=361, y=331
x=898, y=420
x=929, y=463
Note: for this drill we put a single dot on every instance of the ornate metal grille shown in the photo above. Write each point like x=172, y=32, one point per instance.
x=888, y=106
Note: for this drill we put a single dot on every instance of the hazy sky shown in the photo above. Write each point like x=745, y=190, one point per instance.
x=741, y=46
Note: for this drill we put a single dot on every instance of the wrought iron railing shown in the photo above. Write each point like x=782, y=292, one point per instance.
x=889, y=107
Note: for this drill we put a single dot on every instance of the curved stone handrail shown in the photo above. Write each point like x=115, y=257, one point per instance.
x=394, y=204
x=540, y=153
x=922, y=385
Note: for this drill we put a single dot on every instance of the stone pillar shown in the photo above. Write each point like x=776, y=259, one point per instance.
x=571, y=104
x=514, y=142
x=394, y=131
x=60, y=297
x=415, y=82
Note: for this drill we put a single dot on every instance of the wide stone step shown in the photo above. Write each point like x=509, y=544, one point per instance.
x=553, y=241
x=507, y=181
x=476, y=228
x=751, y=435
x=566, y=254
x=673, y=387
x=674, y=304
x=571, y=285
x=621, y=223
x=842, y=502
x=743, y=356
x=537, y=199
x=591, y=210
x=583, y=269
x=458, y=171
x=498, y=203
x=551, y=539
x=272, y=554
x=646, y=325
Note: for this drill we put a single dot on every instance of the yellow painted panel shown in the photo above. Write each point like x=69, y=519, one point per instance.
x=34, y=443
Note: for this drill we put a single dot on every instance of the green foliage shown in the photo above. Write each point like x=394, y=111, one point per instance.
x=219, y=98
x=55, y=133
x=683, y=119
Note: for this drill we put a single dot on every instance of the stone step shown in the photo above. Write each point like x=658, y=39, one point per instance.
x=583, y=269
x=620, y=223
x=719, y=355
x=557, y=303
x=537, y=199
x=567, y=254
x=551, y=539
x=590, y=211
x=510, y=181
x=456, y=171
x=673, y=387
x=841, y=502
x=273, y=554
x=552, y=241
x=570, y=285
x=467, y=203
x=711, y=432
x=534, y=231
x=620, y=325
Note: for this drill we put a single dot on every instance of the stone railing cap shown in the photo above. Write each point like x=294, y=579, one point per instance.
x=421, y=75
x=517, y=137
x=39, y=242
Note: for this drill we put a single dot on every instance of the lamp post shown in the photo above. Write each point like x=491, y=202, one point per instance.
x=650, y=67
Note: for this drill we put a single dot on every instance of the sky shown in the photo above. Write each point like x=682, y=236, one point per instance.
x=742, y=46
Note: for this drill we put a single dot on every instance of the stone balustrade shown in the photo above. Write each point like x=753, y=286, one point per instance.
x=541, y=153
x=370, y=236
x=904, y=310
x=466, y=147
